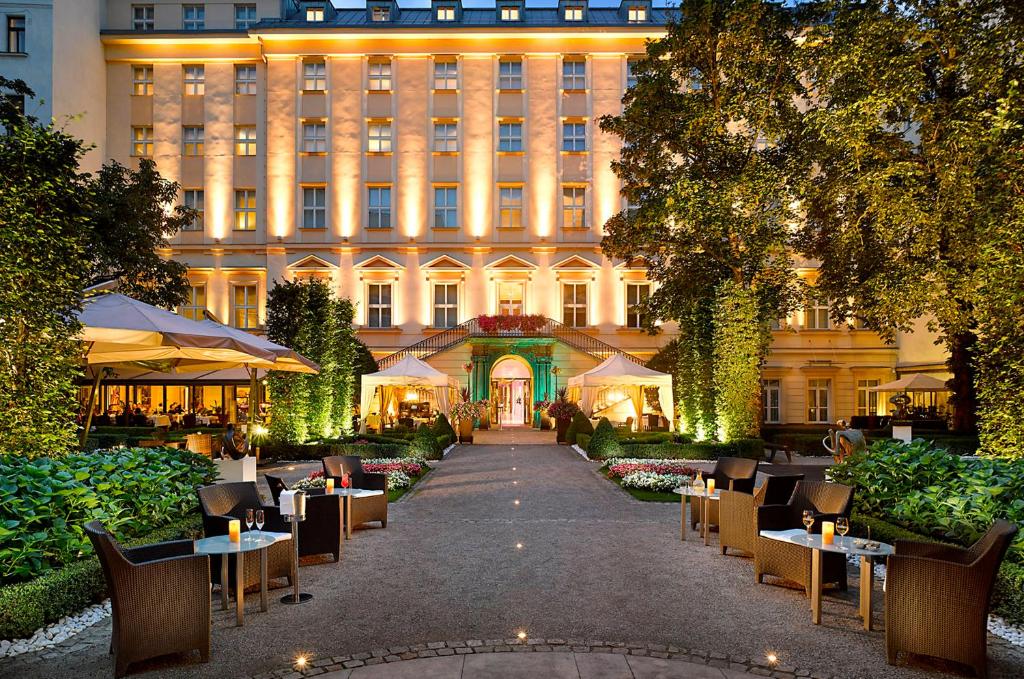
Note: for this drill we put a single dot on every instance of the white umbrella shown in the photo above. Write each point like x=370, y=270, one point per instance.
x=913, y=382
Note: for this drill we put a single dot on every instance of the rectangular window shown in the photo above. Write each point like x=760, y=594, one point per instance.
x=314, y=207
x=636, y=14
x=195, y=199
x=574, y=137
x=574, y=305
x=195, y=308
x=314, y=76
x=636, y=294
x=446, y=14
x=446, y=137
x=195, y=80
x=816, y=315
x=631, y=72
x=574, y=207
x=192, y=140
x=510, y=137
x=510, y=74
x=378, y=305
x=380, y=14
x=379, y=204
x=509, y=13
x=573, y=13
x=142, y=80
x=142, y=142
x=245, y=140
x=315, y=14
x=246, y=306
x=245, y=79
x=380, y=75
x=574, y=74
x=510, y=207
x=378, y=136
x=867, y=401
x=446, y=211
x=818, y=400
x=143, y=18
x=446, y=305
x=771, y=401
x=510, y=298
x=314, y=137
x=245, y=209
x=446, y=75
x=193, y=17
x=16, y=35
x=245, y=16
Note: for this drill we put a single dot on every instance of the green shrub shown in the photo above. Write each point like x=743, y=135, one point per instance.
x=654, y=437
x=702, y=450
x=583, y=441
x=580, y=424
x=45, y=502
x=426, y=444
x=442, y=427
x=603, y=443
x=299, y=452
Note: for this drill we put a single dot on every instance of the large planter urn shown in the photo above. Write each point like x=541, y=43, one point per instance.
x=545, y=421
x=485, y=420
x=561, y=428
x=465, y=431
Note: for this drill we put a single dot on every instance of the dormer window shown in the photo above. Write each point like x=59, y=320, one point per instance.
x=446, y=13
x=637, y=14
x=509, y=13
x=574, y=13
x=380, y=13
x=315, y=14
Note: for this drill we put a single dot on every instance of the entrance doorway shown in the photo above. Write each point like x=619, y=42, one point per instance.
x=511, y=392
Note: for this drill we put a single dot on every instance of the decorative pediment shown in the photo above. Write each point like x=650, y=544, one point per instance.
x=445, y=263
x=312, y=263
x=636, y=264
x=511, y=263
x=575, y=263
x=380, y=263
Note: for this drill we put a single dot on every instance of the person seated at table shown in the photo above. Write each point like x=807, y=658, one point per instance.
x=233, y=446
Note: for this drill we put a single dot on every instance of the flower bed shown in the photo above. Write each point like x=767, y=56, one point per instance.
x=402, y=474
x=621, y=468
x=649, y=479
x=659, y=483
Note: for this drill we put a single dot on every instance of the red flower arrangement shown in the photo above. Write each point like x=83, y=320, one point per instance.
x=528, y=324
x=662, y=467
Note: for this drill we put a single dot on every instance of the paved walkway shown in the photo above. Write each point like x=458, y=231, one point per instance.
x=576, y=558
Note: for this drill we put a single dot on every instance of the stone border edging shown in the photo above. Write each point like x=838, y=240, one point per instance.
x=434, y=649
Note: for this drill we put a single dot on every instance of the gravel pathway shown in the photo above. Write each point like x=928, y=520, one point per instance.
x=576, y=558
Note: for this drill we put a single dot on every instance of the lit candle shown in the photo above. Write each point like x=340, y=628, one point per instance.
x=234, y=530
x=711, y=486
x=828, y=532
x=330, y=486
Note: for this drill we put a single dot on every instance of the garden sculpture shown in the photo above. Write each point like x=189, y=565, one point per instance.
x=844, y=441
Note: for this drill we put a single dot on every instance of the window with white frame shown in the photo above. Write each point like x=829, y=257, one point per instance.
x=378, y=200
x=636, y=14
x=143, y=18
x=446, y=74
x=446, y=137
x=818, y=396
x=771, y=401
x=193, y=17
x=867, y=400
x=314, y=136
x=574, y=74
x=195, y=308
x=510, y=74
x=631, y=72
x=245, y=209
x=816, y=315
x=192, y=137
x=195, y=80
x=245, y=16
x=379, y=73
x=446, y=13
x=574, y=305
x=314, y=76
x=446, y=305
x=314, y=207
x=510, y=137
x=378, y=136
x=574, y=207
x=195, y=200
x=246, y=311
x=380, y=13
x=315, y=14
x=245, y=140
x=509, y=13
x=245, y=79
x=510, y=298
x=636, y=294
x=573, y=13
x=446, y=211
x=574, y=137
x=378, y=305
x=142, y=80
x=510, y=207
x=142, y=141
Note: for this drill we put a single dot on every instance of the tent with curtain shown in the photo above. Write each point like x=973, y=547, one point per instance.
x=620, y=373
x=410, y=372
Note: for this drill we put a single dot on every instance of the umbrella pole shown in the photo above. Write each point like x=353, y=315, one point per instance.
x=92, y=403
x=254, y=407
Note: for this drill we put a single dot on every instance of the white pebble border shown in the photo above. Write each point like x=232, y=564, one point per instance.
x=53, y=634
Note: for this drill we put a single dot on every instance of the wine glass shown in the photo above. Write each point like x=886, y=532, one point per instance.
x=250, y=518
x=260, y=520
x=842, y=527
x=808, y=519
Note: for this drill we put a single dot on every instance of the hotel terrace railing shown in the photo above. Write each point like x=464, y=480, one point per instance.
x=451, y=337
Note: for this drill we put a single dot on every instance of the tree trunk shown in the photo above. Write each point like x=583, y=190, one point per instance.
x=964, y=399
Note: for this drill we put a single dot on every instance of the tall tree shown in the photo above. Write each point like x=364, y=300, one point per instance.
x=710, y=166
x=289, y=392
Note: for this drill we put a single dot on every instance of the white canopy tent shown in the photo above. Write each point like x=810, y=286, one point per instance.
x=409, y=372
x=619, y=372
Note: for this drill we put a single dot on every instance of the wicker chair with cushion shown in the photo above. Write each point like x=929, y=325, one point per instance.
x=167, y=577
x=364, y=509
x=792, y=562
x=738, y=511
x=730, y=473
x=927, y=583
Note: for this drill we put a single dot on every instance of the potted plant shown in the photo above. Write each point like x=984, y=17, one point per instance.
x=465, y=412
x=540, y=415
x=562, y=410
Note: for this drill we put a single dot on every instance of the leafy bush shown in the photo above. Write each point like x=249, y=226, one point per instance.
x=603, y=443
x=442, y=427
x=583, y=441
x=426, y=444
x=580, y=425
x=654, y=437
x=45, y=502
x=703, y=450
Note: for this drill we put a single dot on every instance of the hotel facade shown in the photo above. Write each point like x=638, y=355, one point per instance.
x=436, y=165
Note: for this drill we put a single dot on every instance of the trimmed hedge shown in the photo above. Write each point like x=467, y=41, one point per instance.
x=703, y=450
x=580, y=424
x=603, y=443
x=427, y=444
x=304, y=452
x=583, y=441
x=808, y=443
x=442, y=427
x=654, y=437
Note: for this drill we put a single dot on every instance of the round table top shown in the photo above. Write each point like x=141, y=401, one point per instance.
x=692, y=492
x=251, y=541
x=843, y=545
x=357, y=492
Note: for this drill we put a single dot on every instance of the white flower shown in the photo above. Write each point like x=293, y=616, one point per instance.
x=662, y=483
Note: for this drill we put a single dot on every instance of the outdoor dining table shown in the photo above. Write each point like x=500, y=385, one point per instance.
x=161, y=421
x=705, y=499
x=223, y=546
x=842, y=545
x=348, y=494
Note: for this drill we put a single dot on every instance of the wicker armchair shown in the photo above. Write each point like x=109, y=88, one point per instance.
x=730, y=473
x=738, y=511
x=364, y=509
x=792, y=562
x=166, y=576
x=323, y=530
x=927, y=583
